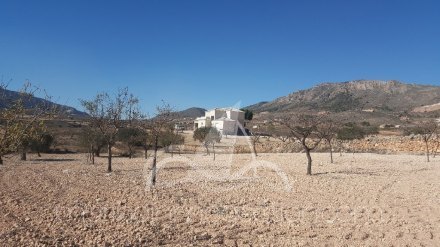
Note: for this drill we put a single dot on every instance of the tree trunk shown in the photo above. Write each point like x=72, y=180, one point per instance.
x=89, y=154
x=213, y=149
x=1, y=160
x=207, y=149
x=172, y=150
x=427, y=151
x=146, y=152
x=309, y=162
x=38, y=153
x=23, y=155
x=255, y=149
x=436, y=149
x=340, y=148
x=153, y=168
x=109, y=167
x=97, y=152
x=92, y=154
x=331, y=152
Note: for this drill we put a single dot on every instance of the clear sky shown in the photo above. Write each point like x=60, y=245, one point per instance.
x=214, y=53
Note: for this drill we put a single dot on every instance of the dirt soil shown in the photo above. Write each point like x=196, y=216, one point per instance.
x=237, y=200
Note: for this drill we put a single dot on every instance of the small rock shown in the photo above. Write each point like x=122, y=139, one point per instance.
x=218, y=239
x=85, y=214
x=203, y=236
x=365, y=236
x=106, y=211
x=121, y=202
x=311, y=209
x=230, y=242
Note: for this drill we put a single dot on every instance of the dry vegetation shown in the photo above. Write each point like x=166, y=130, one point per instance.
x=361, y=200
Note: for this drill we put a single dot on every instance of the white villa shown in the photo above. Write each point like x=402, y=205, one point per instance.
x=225, y=120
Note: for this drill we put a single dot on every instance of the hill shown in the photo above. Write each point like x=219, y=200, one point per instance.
x=8, y=96
x=370, y=99
x=192, y=112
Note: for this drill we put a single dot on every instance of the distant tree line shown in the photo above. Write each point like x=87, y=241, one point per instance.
x=116, y=119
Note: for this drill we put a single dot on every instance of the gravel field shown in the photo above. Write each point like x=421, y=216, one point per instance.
x=237, y=200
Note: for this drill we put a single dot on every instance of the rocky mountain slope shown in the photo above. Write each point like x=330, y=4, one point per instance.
x=8, y=96
x=367, y=95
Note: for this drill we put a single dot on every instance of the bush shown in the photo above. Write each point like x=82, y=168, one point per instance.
x=41, y=144
x=248, y=114
x=365, y=123
x=132, y=138
x=371, y=130
x=169, y=138
x=350, y=132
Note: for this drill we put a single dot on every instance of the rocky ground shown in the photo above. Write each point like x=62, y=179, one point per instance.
x=237, y=200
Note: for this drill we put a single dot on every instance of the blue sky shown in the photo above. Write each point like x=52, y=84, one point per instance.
x=214, y=53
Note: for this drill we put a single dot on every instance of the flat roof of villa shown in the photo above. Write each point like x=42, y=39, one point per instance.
x=226, y=109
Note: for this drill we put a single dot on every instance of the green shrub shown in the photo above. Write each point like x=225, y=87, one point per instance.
x=350, y=132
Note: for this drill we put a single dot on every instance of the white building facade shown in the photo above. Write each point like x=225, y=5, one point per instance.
x=225, y=120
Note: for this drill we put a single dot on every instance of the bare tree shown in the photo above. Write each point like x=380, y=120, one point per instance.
x=328, y=130
x=22, y=119
x=304, y=128
x=207, y=136
x=155, y=127
x=427, y=130
x=278, y=133
x=93, y=140
x=109, y=114
x=254, y=137
x=147, y=141
x=339, y=144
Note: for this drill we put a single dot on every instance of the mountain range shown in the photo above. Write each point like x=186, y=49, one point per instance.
x=359, y=99
x=8, y=96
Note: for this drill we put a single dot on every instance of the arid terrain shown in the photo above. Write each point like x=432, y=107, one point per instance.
x=361, y=200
